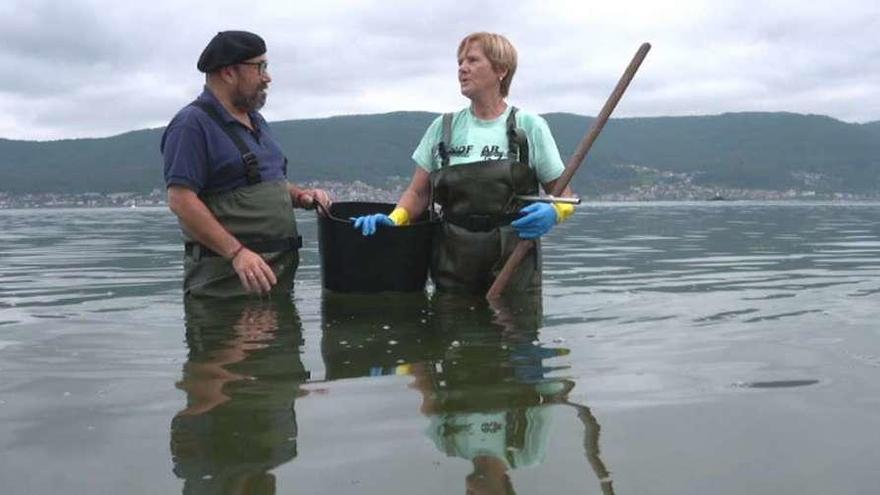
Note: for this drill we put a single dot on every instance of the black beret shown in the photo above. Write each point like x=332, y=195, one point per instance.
x=230, y=47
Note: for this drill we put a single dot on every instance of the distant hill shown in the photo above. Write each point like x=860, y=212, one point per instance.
x=747, y=150
x=875, y=126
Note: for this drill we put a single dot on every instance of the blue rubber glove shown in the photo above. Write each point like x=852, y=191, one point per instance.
x=538, y=220
x=367, y=223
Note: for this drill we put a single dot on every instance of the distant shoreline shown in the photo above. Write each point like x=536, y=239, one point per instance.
x=359, y=191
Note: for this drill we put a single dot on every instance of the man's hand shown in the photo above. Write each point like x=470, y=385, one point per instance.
x=255, y=275
x=308, y=197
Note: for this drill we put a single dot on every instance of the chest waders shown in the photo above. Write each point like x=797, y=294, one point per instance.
x=478, y=202
x=260, y=215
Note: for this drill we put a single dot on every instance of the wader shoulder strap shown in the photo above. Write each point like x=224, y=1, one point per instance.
x=516, y=139
x=251, y=164
x=443, y=146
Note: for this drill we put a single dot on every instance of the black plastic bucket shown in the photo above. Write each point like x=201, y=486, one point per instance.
x=393, y=259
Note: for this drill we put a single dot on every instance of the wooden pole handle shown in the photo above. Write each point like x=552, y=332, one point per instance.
x=523, y=246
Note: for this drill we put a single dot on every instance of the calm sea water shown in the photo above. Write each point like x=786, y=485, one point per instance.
x=722, y=348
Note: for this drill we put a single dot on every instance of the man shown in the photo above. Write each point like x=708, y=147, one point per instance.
x=226, y=178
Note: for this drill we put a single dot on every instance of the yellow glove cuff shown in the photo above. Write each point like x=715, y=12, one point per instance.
x=399, y=216
x=563, y=211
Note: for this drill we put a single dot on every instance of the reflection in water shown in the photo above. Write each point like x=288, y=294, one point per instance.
x=241, y=379
x=777, y=384
x=372, y=335
x=87, y=298
x=484, y=379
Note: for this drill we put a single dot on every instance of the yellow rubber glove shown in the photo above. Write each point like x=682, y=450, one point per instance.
x=399, y=216
x=563, y=211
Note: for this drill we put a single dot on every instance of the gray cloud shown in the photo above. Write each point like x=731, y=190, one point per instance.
x=95, y=67
x=54, y=31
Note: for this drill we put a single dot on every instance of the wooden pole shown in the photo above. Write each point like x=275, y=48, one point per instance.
x=523, y=246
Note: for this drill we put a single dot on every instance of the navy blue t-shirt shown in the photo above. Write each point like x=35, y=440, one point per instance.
x=200, y=155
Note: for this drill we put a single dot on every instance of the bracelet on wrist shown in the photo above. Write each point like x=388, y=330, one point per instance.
x=236, y=252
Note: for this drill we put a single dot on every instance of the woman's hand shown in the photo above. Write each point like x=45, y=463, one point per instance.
x=538, y=220
x=367, y=223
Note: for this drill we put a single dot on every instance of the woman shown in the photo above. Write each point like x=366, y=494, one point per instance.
x=474, y=164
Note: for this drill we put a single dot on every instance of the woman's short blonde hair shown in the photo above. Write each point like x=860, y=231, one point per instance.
x=500, y=52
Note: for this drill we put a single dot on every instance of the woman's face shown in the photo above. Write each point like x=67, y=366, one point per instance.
x=476, y=75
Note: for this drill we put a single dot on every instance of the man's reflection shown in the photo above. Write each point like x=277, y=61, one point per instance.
x=242, y=378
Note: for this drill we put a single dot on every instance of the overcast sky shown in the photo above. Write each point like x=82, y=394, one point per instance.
x=80, y=68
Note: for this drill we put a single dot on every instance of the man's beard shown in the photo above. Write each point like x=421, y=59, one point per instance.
x=249, y=102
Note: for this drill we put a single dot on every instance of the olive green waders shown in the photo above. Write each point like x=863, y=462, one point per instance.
x=261, y=217
x=478, y=202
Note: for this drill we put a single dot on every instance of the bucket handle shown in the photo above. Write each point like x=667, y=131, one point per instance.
x=326, y=212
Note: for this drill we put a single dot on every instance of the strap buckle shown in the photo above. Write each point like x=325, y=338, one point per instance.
x=252, y=167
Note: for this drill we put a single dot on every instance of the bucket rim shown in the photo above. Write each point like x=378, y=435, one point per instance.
x=326, y=213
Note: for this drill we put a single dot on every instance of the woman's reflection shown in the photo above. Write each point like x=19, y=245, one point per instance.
x=241, y=379
x=485, y=381
x=487, y=391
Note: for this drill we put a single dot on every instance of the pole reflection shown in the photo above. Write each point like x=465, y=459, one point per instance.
x=242, y=378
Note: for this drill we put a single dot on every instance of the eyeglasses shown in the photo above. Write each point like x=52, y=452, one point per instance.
x=261, y=66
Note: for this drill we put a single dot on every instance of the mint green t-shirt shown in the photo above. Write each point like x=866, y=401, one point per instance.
x=471, y=434
x=476, y=140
